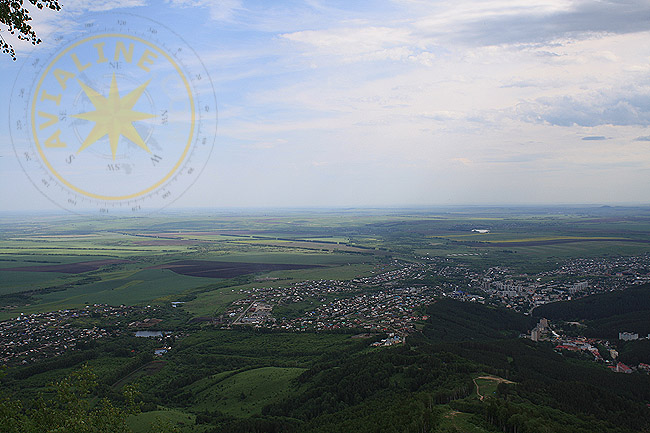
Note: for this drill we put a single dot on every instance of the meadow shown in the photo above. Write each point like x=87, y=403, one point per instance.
x=139, y=257
x=244, y=393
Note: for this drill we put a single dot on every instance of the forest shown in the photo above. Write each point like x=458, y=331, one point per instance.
x=340, y=385
x=462, y=363
x=605, y=314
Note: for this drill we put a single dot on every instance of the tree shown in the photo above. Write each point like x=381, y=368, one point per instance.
x=69, y=407
x=15, y=16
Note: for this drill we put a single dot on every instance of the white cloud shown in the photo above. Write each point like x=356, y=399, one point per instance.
x=623, y=107
x=450, y=15
x=424, y=101
x=515, y=22
x=351, y=40
x=463, y=161
x=365, y=43
x=221, y=10
x=78, y=6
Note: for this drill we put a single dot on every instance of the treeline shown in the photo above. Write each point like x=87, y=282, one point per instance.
x=132, y=352
x=69, y=406
x=349, y=387
x=411, y=388
x=452, y=320
x=129, y=367
x=336, y=385
x=634, y=352
x=58, y=363
x=605, y=314
x=210, y=352
x=26, y=296
x=552, y=393
x=394, y=390
x=546, y=381
x=506, y=415
x=599, y=306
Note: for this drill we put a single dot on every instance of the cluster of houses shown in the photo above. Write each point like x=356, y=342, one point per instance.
x=33, y=337
x=388, y=310
x=374, y=303
x=391, y=340
x=390, y=301
x=592, y=346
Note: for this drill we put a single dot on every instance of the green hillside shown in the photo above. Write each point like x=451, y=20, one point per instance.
x=600, y=306
x=248, y=381
x=451, y=320
x=605, y=314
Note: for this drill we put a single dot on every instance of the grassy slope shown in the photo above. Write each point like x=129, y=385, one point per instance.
x=244, y=394
x=147, y=421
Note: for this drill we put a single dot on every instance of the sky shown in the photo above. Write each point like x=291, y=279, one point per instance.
x=393, y=102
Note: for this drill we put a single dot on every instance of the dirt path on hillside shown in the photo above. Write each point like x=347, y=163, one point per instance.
x=494, y=378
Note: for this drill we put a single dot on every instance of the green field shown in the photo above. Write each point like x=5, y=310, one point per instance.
x=582, y=249
x=528, y=239
x=301, y=348
x=133, y=287
x=456, y=421
x=67, y=241
x=486, y=387
x=162, y=419
x=15, y=282
x=243, y=394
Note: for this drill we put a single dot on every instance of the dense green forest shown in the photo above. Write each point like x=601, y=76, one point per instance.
x=333, y=383
x=453, y=321
x=605, y=314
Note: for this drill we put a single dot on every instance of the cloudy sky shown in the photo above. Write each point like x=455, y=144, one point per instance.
x=402, y=102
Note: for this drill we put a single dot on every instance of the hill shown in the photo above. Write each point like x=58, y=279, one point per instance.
x=450, y=320
x=233, y=381
x=605, y=314
x=429, y=384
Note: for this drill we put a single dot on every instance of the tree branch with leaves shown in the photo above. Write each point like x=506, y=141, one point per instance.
x=15, y=16
x=69, y=406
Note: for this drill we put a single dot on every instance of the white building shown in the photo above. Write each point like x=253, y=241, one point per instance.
x=627, y=336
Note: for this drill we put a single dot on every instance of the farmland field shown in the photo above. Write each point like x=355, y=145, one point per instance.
x=140, y=287
x=66, y=268
x=266, y=321
x=52, y=262
x=214, y=269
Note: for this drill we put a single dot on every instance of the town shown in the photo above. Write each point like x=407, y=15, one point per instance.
x=390, y=302
x=598, y=349
x=35, y=337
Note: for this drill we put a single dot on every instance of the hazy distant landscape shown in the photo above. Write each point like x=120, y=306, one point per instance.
x=315, y=320
x=46, y=260
x=395, y=216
